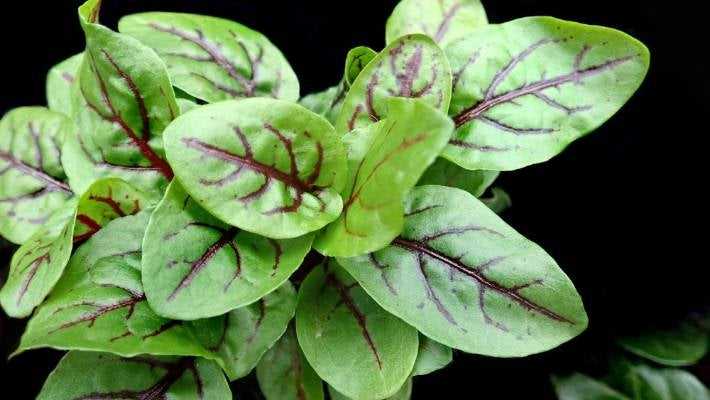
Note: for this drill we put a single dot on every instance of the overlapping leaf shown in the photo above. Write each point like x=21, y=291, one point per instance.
x=463, y=277
x=432, y=356
x=354, y=345
x=443, y=20
x=241, y=337
x=123, y=102
x=266, y=166
x=640, y=381
x=60, y=82
x=215, y=59
x=385, y=160
x=404, y=393
x=284, y=373
x=31, y=173
x=498, y=201
x=523, y=90
x=99, y=303
x=582, y=387
x=446, y=173
x=412, y=66
x=684, y=344
x=195, y=266
x=105, y=376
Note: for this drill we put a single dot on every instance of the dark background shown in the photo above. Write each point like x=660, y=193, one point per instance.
x=620, y=210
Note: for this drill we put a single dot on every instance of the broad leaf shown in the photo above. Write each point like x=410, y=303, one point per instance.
x=385, y=161
x=443, y=20
x=241, y=337
x=105, y=376
x=446, y=173
x=31, y=173
x=582, y=387
x=464, y=278
x=404, y=393
x=523, y=90
x=215, y=59
x=60, y=80
x=195, y=266
x=432, y=356
x=123, y=102
x=412, y=66
x=357, y=347
x=266, y=166
x=284, y=373
x=498, y=201
x=99, y=303
x=683, y=344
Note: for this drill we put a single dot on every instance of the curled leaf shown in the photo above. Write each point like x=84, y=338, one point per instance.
x=266, y=166
x=60, y=82
x=523, y=90
x=463, y=277
x=195, y=266
x=32, y=183
x=215, y=59
x=354, y=345
x=498, y=201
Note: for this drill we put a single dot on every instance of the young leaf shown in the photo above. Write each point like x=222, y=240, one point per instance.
x=432, y=356
x=684, y=344
x=60, y=80
x=356, y=61
x=195, y=266
x=266, y=166
x=446, y=173
x=443, y=20
x=353, y=344
x=31, y=173
x=215, y=59
x=385, y=161
x=284, y=373
x=523, y=90
x=498, y=201
x=241, y=337
x=464, y=278
x=412, y=66
x=100, y=305
x=404, y=393
x=582, y=387
x=104, y=376
x=124, y=101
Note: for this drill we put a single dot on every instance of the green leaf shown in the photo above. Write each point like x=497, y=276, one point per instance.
x=385, y=161
x=123, y=102
x=40, y=262
x=582, y=387
x=355, y=62
x=266, y=166
x=412, y=66
x=446, y=173
x=357, y=347
x=443, y=20
x=432, y=356
x=464, y=278
x=195, y=266
x=99, y=304
x=683, y=344
x=60, y=82
x=648, y=383
x=215, y=59
x=284, y=373
x=404, y=393
x=31, y=173
x=498, y=201
x=241, y=337
x=105, y=376
x=525, y=89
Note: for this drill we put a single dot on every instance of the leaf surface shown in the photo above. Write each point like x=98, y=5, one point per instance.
x=464, y=278
x=385, y=161
x=525, y=89
x=432, y=356
x=60, y=82
x=582, y=387
x=195, y=266
x=404, y=393
x=215, y=59
x=32, y=183
x=644, y=382
x=353, y=344
x=266, y=166
x=683, y=344
x=446, y=173
x=105, y=376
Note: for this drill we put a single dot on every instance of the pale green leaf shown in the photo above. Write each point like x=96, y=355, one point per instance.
x=432, y=356
x=60, y=80
x=446, y=173
x=404, y=393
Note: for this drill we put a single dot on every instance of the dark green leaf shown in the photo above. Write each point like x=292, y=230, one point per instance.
x=581, y=387
x=683, y=344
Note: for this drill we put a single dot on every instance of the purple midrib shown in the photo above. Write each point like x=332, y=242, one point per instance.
x=51, y=182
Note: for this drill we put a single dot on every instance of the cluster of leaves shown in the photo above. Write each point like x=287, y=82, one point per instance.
x=166, y=200
x=650, y=368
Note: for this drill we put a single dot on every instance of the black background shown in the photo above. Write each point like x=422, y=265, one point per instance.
x=620, y=210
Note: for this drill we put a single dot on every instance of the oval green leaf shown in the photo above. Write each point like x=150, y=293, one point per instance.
x=266, y=166
x=683, y=344
x=195, y=266
x=353, y=344
x=32, y=183
x=523, y=90
x=463, y=277
x=60, y=82
x=446, y=173
x=385, y=161
x=404, y=393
